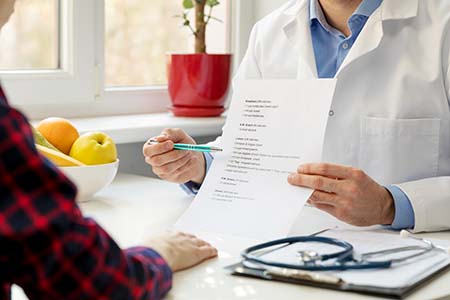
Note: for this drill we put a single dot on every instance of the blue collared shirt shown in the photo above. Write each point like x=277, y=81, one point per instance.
x=330, y=45
x=331, y=48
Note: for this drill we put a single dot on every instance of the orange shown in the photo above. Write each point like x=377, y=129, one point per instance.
x=59, y=132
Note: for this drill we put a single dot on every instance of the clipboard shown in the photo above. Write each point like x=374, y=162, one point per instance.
x=396, y=282
x=328, y=282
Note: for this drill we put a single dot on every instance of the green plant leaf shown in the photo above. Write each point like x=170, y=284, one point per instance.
x=212, y=3
x=188, y=4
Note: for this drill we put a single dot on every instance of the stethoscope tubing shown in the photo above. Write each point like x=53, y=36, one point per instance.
x=347, y=247
x=344, y=257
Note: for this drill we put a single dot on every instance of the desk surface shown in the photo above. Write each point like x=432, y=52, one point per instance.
x=134, y=208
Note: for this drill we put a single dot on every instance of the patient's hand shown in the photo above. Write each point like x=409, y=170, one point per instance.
x=182, y=250
x=175, y=165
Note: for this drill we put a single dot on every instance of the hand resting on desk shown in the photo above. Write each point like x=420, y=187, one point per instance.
x=182, y=250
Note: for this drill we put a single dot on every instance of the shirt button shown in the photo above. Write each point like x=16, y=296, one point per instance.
x=331, y=113
x=345, y=46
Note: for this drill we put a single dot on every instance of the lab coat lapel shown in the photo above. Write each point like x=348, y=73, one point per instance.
x=368, y=40
x=372, y=34
x=298, y=33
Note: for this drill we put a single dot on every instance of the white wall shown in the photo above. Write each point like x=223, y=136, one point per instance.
x=245, y=14
x=264, y=7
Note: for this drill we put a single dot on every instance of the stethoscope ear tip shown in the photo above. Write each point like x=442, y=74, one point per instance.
x=405, y=234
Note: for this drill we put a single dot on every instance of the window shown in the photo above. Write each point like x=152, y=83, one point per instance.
x=30, y=39
x=102, y=57
x=139, y=33
x=69, y=75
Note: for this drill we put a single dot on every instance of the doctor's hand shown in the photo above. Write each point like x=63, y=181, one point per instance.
x=175, y=165
x=346, y=193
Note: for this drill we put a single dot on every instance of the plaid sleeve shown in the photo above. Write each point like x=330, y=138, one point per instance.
x=46, y=246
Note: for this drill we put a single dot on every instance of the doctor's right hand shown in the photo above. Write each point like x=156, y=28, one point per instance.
x=175, y=165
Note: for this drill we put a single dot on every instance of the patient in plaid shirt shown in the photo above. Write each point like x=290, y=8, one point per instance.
x=50, y=250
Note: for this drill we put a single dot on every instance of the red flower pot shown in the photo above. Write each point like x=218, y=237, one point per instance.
x=198, y=83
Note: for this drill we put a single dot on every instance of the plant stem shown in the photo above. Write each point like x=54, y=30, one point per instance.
x=209, y=15
x=200, y=25
x=192, y=30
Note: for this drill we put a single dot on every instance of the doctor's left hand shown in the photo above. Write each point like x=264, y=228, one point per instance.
x=346, y=193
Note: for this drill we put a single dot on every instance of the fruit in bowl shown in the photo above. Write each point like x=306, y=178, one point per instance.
x=89, y=160
x=59, y=132
x=94, y=148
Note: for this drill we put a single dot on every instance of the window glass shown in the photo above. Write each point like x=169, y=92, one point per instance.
x=139, y=33
x=30, y=39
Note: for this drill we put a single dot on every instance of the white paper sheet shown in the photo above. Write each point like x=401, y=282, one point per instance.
x=272, y=127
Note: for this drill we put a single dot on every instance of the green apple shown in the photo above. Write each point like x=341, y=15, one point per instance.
x=94, y=148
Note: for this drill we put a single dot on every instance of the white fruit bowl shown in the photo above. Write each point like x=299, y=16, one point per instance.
x=91, y=179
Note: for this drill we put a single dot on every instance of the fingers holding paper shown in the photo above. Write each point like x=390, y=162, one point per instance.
x=346, y=193
x=174, y=165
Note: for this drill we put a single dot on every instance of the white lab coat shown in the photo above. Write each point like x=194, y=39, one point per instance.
x=390, y=115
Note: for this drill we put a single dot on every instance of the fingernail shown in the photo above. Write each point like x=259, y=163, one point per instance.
x=301, y=169
x=291, y=177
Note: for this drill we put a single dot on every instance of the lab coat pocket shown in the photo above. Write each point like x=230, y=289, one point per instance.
x=399, y=150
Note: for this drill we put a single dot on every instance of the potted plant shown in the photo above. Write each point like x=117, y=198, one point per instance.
x=198, y=82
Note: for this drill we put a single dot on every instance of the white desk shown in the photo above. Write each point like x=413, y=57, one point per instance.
x=133, y=208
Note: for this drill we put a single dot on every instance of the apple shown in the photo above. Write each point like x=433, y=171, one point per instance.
x=94, y=148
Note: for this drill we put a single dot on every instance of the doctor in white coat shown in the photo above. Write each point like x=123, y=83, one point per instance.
x=387, y=142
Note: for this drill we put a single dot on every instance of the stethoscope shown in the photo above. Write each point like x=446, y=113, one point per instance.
x=341, y=260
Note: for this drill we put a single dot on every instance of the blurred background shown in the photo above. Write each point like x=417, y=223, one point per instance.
x=138, y=35
x=34, y=26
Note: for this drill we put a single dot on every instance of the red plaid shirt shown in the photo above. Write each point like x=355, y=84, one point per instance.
x=46, y=246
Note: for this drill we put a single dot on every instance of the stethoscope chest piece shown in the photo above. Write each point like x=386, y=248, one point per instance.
x=308, y=256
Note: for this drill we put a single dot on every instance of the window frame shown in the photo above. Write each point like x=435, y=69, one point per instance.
x=81, y=79
x=77, y=71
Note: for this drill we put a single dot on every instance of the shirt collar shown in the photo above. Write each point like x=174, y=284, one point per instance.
x=315, y=11
x=366, y=9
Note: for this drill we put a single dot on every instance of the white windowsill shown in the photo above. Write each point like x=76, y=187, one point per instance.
x=139, y=128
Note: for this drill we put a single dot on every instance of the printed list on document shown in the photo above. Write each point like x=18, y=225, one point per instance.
x=251, y=153
x=272, y=127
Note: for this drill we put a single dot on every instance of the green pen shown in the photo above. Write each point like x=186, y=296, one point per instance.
x=190, y=147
